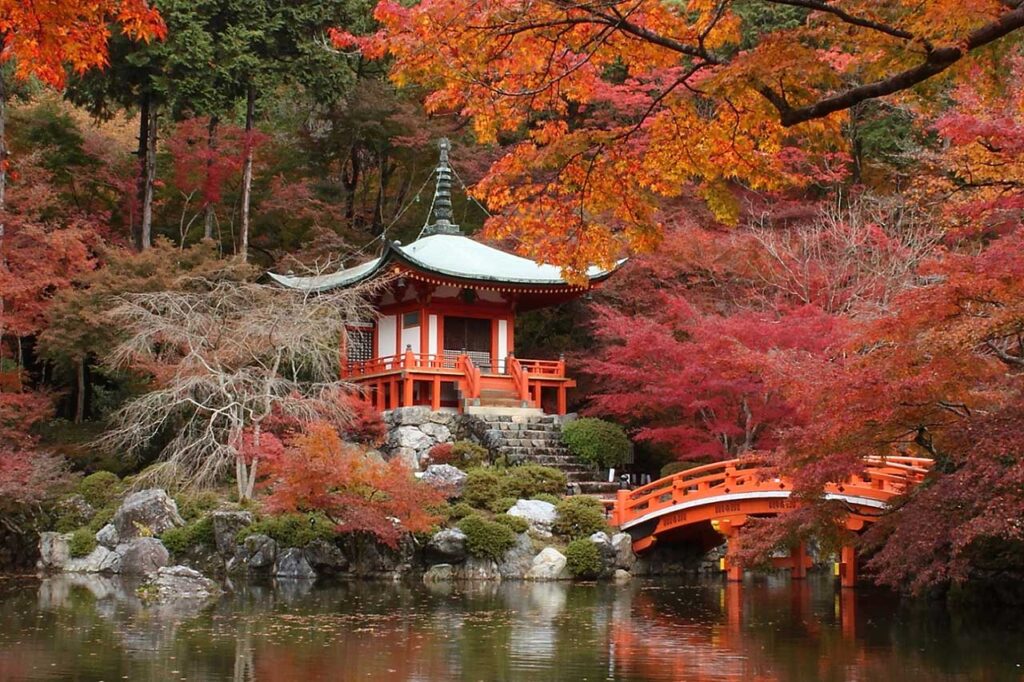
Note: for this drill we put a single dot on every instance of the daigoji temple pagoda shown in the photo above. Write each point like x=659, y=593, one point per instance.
x=444, y=335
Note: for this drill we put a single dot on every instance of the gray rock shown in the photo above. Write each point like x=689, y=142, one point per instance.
x=325, y=556
x=439, y=573
x=445, y=477
x=180, y=583
x=99, y=560
x=605, y=550
x=142, y=556
x=538, y=513
x=443, y=417
x=621, y=577
x=548, y=565
x=53, y=550
x=625, y=559
x=518, y=560
x=256, y=552
x=108, y=536
x=147, y=512
x=478, y=569
x=226, y=524
x=410, y=437
x=409, y=456
x=410, y=416
x=291, y=563
x=448, y=545
x=75, y=508
x=439, y=432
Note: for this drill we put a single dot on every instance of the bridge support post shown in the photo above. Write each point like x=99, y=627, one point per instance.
x=798, y=555
x=733, y=567
x=848, y=566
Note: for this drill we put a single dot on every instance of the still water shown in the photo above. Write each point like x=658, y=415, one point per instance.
x=90, y=628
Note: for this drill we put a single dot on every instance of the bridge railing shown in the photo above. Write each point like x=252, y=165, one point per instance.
x=881, y=478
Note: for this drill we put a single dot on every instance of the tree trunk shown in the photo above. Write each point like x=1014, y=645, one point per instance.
x=80, y=391
x=250, y=115
x=147, y=171
x=211, y=146
x=3, y=195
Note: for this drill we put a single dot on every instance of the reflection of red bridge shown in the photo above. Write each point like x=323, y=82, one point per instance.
x=691, y=505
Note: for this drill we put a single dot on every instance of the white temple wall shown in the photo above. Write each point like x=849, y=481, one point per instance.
x=387, y=335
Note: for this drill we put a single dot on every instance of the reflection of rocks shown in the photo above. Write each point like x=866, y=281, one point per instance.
x=146, y=512
x=291, y=590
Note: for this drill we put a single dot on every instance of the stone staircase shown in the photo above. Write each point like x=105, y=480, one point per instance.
x=537, y=438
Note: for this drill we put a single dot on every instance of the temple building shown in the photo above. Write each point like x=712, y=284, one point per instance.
x=444, y=335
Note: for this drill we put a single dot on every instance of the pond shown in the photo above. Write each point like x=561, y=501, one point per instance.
x=93, y=628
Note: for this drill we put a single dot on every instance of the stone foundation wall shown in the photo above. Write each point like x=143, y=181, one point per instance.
x=412, y=431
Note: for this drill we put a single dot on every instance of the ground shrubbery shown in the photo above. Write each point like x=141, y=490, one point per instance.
x=579, y=516
x=291, y=530
x=597, y=442
x=583, y=559
x=498, y=489
x=487, y=539
x=181, y=539
x=82, y=542
x=517, y=523
x=100, y=489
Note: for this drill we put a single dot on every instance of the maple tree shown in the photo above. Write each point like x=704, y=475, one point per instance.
x=317, y=471
x=614, y=106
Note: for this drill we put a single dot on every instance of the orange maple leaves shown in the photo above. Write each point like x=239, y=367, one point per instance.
x=45, y=37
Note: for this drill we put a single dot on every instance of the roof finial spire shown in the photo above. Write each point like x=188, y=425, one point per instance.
x=440, y=220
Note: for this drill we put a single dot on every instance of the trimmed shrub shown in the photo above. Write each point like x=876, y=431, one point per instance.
x=579, y=516
x=466, y=453
x=529, y=480
x=502, y=504
x=184, y=538
x=102, y=518
x=100, y=489
x=487, y=539
x=583, y=559
x=82, y=542
x=547, y=497
x=677, y=466
x=459, y=510
x=597, y=442
x=517, y=523
x=482, y=487
x=191, y=506
x=291, y=530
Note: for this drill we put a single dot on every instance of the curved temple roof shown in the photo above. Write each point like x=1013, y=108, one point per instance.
x=451, y=256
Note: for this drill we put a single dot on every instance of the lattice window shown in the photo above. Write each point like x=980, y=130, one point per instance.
x=360, y=343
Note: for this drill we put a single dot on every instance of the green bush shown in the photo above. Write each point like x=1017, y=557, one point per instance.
x=528, y=480
x=184, y=538
x=548, y=497
x=466, y=453
x=487, y=539
x=482, y=487
x=82, y=542
x=579, y=516
x=501, y=504
x=459, y=510
x=583, y=559
x=100, y=489
x=192, y=505
x=291, y=530
x=102, y=518
x=677, y=466
x=517, y=523
x=70, y=514
x=597, y=441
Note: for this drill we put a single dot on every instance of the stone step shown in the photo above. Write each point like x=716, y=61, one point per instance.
x=596, y=487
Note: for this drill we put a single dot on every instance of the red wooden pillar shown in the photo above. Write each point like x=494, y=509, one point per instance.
x=798, y=554
x=561, y=400
x=435, y=394
x=848, y=566
x=393, y=393
x=380, y=396
x=733, y=567
x=407, y=391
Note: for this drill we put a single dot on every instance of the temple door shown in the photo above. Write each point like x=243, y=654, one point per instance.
x=472, y=334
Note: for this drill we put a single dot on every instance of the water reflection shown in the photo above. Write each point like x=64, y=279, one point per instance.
x=92, y=628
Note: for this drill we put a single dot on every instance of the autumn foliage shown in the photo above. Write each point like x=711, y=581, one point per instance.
x=318, y=471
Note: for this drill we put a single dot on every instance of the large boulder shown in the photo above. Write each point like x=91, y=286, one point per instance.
x=439, y=432
x=538, y=513
x=75, y=511
x=550, y=564
x=445, y=477
x=369, y=557
x=448, y=546
x=108, y=536
x=409, y=416
x=226, y=524
x=411, y=437
x=181, y=583
x=444, y=417
x=605, y=550
x=475, y=568
x=518, y=560
x=325, y=556
x=439, y=573
x=255, y=553
x=141, y=556
x=625, y=559
x=99, y=560
x=291, y=563
x=146, y=513
x=54, y=551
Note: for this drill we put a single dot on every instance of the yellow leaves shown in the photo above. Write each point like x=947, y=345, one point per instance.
x=721, y=201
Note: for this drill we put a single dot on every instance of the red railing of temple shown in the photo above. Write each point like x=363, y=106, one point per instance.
x=519, y=378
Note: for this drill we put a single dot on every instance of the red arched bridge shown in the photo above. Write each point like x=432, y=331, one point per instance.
x=700, y=505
